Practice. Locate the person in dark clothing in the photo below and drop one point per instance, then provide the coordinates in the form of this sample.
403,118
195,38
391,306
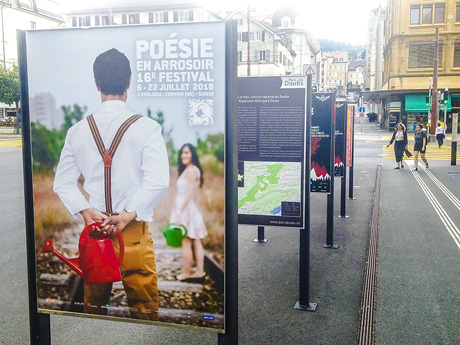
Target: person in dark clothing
420,145
400,139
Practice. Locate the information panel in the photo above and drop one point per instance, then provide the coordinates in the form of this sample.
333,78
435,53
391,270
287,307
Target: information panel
340,135
350,133
159,179
322,144
271,145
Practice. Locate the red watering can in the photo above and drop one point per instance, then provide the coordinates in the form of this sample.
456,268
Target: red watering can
98,262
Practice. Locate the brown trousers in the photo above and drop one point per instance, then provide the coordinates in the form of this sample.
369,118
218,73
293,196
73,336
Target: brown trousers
139,276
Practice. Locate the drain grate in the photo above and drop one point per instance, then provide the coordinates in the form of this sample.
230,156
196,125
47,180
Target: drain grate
366,333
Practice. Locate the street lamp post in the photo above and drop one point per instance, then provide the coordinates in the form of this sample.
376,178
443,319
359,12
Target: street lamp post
434,108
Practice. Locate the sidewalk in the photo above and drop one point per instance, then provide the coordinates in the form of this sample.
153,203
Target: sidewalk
419,254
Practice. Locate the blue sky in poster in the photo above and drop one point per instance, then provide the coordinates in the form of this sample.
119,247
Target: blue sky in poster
60,63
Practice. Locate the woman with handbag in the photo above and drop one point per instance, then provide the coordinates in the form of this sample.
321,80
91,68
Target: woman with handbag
400,144
440,134
185,212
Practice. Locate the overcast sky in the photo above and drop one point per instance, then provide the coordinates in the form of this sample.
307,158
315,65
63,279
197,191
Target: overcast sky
339,20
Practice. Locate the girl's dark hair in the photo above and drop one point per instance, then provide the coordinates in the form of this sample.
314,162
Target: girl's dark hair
420,125
195,161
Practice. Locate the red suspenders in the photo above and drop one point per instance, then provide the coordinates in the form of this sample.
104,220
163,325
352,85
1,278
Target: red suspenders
107,154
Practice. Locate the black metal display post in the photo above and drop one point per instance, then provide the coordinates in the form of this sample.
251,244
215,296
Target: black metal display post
230,336
40,328
343,179
350,182
330,220
330,198
343,194
304,258
260,235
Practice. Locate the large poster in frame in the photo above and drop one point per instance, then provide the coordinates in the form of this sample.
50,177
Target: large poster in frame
340,138
271,149
322,142
350,134
128,150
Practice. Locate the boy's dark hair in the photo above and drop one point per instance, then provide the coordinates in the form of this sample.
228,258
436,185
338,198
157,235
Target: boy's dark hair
112,72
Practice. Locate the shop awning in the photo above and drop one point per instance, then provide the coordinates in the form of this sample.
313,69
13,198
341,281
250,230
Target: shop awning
416,103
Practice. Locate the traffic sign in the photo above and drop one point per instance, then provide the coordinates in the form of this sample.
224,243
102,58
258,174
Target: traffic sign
362,110
361,114
310,71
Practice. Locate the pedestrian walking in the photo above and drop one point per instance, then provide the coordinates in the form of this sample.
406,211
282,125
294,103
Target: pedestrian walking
420,145
440,134
400,144
124,182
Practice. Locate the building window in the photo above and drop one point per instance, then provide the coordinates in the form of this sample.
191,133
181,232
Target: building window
281,58
240,56
457,17
134,18
183,16
415,15
430,14
259,36
439,10
263,55
104,20
427,14
421,55
251,36
240,36
84,21
457,54
240,21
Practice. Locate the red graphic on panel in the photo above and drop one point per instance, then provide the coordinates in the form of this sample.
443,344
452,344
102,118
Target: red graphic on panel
338,162
318,172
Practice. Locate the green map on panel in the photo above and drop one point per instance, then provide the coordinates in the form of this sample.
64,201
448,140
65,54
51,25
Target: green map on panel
266,185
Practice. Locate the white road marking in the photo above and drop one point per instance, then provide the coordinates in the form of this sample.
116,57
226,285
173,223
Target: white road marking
446,220
443,188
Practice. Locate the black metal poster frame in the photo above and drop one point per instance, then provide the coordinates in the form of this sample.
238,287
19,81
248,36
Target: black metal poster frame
322,142
271,136
40,326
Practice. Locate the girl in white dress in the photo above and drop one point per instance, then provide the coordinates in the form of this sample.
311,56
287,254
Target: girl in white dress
185,212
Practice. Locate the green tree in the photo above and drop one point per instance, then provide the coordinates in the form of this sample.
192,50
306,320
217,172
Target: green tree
47,143
9,86
71,116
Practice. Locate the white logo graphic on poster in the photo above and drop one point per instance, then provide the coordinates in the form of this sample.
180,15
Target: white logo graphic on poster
293,83
323,98
201,112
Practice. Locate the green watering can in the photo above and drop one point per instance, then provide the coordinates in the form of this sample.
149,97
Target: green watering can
174,234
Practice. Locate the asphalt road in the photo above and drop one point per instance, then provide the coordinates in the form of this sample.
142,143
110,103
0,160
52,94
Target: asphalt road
418,273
